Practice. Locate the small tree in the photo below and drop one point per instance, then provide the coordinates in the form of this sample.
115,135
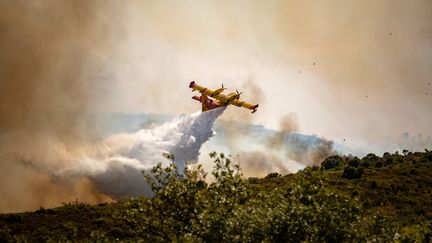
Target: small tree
177,202
354,162
305,209
352,173
332,162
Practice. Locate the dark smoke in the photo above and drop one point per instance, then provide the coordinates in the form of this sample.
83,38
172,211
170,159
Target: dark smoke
54,71
53,65
259,164
310,151
307,150
262,151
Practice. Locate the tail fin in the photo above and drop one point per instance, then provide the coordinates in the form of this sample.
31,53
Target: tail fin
254,108
192,85
204,102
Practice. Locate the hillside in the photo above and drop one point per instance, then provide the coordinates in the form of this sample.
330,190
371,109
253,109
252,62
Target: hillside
346,199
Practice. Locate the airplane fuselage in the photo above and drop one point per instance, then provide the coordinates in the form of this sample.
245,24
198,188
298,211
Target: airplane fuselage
213,99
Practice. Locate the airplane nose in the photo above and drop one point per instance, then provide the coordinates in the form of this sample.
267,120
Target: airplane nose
192,84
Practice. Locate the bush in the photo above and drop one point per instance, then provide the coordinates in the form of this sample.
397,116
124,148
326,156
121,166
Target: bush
332,162
388,161
5,235
272,175
371,157
415,233
354,162
312,205
378,164
229,210
349,173
365,164
414,172
352,173
374,185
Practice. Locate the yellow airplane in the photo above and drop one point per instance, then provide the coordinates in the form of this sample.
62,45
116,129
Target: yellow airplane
213,99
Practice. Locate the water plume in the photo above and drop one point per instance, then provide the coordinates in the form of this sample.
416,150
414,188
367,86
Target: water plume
116,165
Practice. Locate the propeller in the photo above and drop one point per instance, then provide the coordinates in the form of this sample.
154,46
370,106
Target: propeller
223,86
239,93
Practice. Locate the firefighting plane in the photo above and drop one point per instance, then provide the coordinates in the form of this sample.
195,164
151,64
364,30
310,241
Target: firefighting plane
212,99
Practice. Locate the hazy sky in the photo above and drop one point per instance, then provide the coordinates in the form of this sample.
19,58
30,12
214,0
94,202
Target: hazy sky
373,62
370,81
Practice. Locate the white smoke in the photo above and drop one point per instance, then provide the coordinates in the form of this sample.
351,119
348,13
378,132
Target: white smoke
116,165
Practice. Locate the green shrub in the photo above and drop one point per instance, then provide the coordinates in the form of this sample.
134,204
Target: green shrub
378,164
352,173
365,164
272,175
228,210
332,162
391,204
354,162
415,233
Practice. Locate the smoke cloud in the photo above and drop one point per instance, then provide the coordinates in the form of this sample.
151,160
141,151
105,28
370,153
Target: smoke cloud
54,70
372,62
101,171
54,65
262,151
259,164
310,150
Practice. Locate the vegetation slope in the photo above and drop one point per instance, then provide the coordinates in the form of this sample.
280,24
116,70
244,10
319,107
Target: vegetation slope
346,199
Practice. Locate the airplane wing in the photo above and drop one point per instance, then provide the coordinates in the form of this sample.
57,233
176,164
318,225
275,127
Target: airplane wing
212,93
245,104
